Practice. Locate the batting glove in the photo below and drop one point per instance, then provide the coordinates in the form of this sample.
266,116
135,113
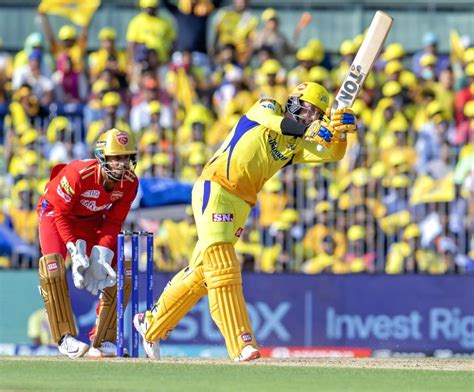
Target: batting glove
319,132
344,121
79,260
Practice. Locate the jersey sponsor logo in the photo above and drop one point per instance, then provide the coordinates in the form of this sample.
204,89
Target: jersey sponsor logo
65,185
276,155
239,231
92,206
94,193
268,103
122,138
246,337
52,266
116,195
220,217
63,195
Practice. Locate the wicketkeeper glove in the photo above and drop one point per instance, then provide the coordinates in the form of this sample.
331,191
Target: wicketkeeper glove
344,121
100,274
319,132
79,260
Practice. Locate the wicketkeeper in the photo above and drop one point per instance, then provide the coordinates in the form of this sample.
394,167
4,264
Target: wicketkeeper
264,140
80,213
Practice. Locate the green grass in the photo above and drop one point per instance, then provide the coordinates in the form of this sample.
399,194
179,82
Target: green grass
123,375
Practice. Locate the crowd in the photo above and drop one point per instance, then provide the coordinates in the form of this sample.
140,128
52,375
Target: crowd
401,200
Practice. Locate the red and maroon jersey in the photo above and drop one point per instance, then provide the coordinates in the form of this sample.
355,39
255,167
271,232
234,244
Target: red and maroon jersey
76,197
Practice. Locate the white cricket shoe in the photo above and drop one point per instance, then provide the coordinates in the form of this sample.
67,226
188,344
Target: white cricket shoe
106,350
73,348
248,353
152,349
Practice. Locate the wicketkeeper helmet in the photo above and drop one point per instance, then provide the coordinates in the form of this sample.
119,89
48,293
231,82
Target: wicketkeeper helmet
114,143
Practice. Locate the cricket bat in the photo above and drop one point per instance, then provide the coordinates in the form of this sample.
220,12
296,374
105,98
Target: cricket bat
363,61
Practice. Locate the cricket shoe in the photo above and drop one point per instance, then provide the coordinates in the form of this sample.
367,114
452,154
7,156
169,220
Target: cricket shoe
152,349
73,348
106,350
248,353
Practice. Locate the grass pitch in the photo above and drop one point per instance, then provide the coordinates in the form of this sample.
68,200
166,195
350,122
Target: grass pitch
59,374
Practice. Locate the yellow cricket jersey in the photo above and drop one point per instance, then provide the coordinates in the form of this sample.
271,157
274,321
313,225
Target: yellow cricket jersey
256,149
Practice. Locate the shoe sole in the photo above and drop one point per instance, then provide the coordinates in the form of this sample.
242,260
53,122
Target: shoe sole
136,324
99,354
79,354
254,355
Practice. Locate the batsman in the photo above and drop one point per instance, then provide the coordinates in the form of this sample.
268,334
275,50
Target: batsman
264,140
81,212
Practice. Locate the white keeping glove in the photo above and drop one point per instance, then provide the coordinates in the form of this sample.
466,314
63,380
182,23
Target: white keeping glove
80,261
100,274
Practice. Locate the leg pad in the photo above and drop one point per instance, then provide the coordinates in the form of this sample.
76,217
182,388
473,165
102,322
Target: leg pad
226,300
55,292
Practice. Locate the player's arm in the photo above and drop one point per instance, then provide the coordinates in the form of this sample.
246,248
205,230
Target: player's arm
311,152
65,197
115,218
268,112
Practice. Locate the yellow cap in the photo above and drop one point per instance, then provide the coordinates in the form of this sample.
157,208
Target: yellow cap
30,158
391,88
280,225
355,233
59,123
272,185
107,33
149,3
411,231
305,54
392,67
99,86
67,32
161,159
111,99
433,108
155,107
322,206
268,14
347,47
149,137
358,39
469,71
318,49
290,215
21,186
469,109
29,136
197,158
378,169
318,74
427,59
398,124
393,51
400,181
360,176
468,56
22,92
270,67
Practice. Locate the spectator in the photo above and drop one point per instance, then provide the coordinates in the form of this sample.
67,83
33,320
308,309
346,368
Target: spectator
430,46
235,24
71,85
191,21
148,31
38,328
108,52
75,46
42,86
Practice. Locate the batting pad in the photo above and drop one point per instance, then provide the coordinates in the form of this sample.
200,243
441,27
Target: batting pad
226,300
179,296
106,324
55,292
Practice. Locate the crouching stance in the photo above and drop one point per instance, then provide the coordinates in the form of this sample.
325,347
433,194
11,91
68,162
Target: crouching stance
263,141
80,214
